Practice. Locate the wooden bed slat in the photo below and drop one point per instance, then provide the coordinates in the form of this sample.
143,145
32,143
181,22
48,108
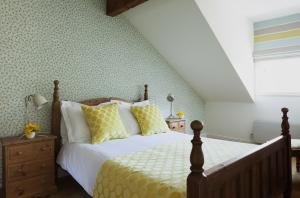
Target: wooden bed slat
255,184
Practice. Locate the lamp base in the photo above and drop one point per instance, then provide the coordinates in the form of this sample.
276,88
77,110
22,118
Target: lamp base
171,117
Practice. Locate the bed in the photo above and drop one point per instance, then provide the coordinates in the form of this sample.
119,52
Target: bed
217,168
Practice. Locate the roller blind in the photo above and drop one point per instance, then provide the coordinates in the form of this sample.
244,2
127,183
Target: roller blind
277,38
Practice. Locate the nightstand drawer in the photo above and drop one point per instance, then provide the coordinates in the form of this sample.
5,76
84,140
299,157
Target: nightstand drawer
176,125
21,153
27,152
29,169
44,150
173,125
29,187
181,125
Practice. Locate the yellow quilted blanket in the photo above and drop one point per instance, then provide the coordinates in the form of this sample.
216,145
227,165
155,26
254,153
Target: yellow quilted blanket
156,172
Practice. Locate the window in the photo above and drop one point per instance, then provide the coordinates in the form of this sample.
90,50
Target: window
277,56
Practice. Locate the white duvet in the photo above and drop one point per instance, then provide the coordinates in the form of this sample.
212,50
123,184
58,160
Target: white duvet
84,161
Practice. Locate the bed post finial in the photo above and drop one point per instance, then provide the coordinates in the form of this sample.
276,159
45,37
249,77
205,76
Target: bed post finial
56,91
146,92
196,182
285,129
285,126
197,159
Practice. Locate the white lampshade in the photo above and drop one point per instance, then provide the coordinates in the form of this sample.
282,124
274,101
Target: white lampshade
38,101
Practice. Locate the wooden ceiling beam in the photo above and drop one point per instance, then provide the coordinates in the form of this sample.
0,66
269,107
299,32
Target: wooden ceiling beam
116,7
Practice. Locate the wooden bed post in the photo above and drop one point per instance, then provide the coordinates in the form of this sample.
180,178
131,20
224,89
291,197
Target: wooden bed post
56,116
146,92
285,126
196,181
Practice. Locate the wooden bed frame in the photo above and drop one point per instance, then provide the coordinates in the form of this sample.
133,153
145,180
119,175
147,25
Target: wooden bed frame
262,173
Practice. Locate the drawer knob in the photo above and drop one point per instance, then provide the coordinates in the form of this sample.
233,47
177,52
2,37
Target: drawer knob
173,127
20,191
19,153
43,149
181,126
21,172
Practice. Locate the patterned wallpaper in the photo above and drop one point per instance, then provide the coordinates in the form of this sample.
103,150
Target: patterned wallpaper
92,55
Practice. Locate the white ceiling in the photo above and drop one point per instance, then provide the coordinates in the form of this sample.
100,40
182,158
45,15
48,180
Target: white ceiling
179,31
258,10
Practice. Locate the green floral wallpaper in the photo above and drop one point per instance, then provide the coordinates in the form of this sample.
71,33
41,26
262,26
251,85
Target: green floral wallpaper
92,55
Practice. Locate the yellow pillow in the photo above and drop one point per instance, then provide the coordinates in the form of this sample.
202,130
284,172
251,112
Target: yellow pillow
104,123
150,119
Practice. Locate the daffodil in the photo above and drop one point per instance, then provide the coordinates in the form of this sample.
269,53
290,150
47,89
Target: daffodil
28,132
30,128
180,114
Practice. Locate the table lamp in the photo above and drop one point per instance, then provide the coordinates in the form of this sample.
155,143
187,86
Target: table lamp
37,100
171,99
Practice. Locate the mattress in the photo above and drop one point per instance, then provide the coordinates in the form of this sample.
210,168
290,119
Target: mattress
84,161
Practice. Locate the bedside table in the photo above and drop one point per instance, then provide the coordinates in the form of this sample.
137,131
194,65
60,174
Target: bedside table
176,125
28,166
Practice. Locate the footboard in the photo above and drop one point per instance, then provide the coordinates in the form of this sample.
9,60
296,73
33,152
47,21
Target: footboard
263,172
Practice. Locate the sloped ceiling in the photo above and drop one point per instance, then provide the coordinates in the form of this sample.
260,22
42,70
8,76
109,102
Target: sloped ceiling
179,31
258,10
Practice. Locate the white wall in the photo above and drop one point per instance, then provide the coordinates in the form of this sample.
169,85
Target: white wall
235,120
234,32
278,76
229,120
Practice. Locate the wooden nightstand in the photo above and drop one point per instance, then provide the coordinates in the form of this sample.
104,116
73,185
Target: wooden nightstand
176,125
28,166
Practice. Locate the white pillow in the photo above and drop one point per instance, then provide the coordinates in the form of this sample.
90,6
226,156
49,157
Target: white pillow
77,128
63,131
128,119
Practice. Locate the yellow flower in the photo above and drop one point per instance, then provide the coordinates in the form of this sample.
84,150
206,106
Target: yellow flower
27,132
29,128
180,113
33,127
36,128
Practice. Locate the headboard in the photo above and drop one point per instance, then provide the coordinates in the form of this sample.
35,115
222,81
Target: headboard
56,110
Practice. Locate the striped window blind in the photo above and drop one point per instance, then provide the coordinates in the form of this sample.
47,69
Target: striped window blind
277,38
